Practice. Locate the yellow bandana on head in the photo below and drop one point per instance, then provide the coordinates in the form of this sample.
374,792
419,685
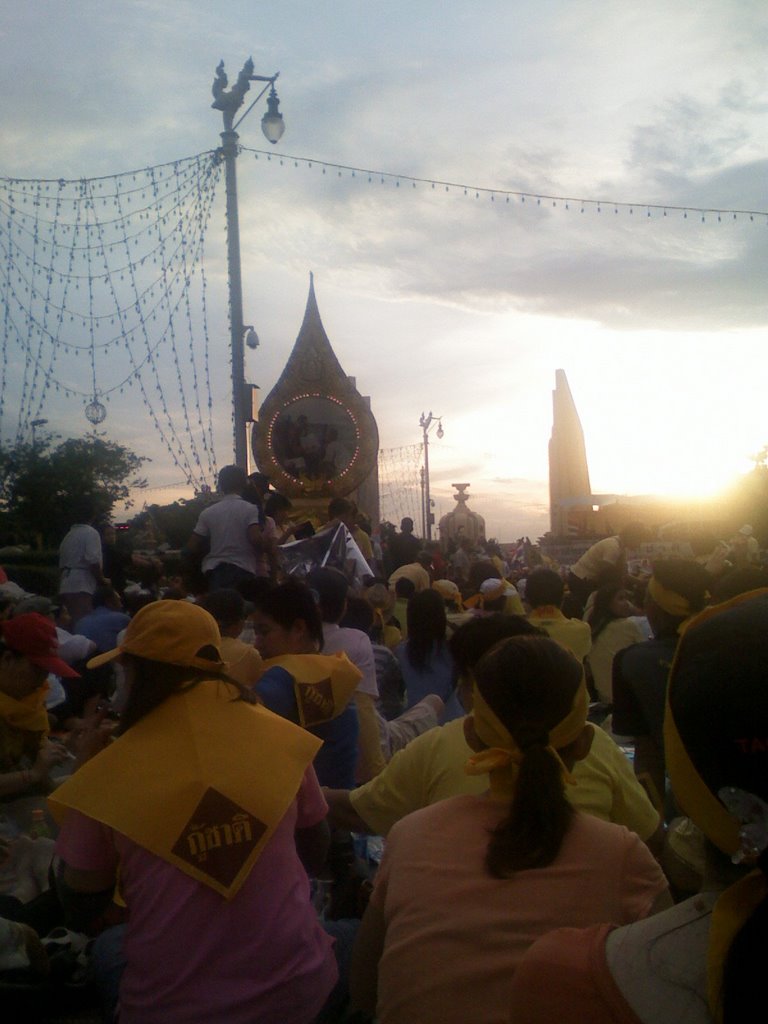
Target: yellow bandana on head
502,759
29,713
668,600
202,782
322,684
448,590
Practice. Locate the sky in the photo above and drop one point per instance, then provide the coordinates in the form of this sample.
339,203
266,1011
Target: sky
434,299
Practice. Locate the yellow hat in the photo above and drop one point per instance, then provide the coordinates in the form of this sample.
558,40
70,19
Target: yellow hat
173,632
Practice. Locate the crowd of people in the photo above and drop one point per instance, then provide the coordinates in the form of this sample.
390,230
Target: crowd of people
443,789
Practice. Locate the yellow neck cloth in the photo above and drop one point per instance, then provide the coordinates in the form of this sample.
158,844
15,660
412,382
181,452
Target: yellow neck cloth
502,759
29,713
322,684
202,782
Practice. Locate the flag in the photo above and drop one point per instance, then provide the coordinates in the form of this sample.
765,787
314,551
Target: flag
334,548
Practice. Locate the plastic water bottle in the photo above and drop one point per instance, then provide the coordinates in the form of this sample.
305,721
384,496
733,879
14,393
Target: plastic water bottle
39,827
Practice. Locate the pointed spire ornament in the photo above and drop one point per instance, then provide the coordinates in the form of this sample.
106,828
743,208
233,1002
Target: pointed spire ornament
316,435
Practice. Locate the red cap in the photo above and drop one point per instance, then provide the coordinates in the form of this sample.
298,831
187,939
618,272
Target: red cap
34,637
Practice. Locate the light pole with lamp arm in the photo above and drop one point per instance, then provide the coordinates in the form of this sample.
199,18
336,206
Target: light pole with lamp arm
425,422
229,101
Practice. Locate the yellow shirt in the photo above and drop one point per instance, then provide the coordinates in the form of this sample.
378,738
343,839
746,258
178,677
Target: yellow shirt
573,634
606,786
428,769
431,768
363,541
415,572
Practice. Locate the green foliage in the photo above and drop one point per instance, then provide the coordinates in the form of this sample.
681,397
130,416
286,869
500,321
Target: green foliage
45,486
173,523
35,579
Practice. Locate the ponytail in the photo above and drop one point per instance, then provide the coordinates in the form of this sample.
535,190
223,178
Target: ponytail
530,684
539,816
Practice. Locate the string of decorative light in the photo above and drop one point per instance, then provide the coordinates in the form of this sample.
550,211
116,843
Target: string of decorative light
399,482
506,195
112,269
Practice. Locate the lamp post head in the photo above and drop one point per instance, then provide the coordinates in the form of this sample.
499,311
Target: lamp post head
272,123
440,431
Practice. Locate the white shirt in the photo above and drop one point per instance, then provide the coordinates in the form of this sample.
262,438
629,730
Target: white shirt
357,647
226,525
80,549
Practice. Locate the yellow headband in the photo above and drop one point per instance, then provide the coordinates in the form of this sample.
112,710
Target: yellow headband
448,593
668,600
503,757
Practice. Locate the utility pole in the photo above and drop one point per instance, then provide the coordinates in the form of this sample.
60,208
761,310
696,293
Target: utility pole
229,101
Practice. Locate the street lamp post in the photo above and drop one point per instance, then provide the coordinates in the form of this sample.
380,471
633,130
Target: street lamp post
229,101
35,424
425,422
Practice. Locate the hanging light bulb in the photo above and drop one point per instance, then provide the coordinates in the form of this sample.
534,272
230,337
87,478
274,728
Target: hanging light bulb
95,412
272,123
440,431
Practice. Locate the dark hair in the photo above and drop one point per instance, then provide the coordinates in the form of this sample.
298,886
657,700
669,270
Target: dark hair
232,480
476,637
288,602
530,683
332,587
359,615
544,586
83,509
225,605
276,503
632,534
338,507
479,573
739,581
426,627
689,579
405,588
155,681
601,615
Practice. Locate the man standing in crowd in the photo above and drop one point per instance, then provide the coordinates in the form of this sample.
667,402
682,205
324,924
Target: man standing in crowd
403,546
605,562
231,530
80,563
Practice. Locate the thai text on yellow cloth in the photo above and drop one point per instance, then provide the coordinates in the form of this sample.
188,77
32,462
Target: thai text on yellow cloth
322,683
202,782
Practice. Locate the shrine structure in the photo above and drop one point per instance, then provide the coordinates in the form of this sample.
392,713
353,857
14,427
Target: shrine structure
316,437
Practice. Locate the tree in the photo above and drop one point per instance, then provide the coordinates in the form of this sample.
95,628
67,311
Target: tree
749,497
172,523
43,485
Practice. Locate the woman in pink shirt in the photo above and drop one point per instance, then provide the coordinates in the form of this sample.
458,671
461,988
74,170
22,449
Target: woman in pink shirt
468,884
